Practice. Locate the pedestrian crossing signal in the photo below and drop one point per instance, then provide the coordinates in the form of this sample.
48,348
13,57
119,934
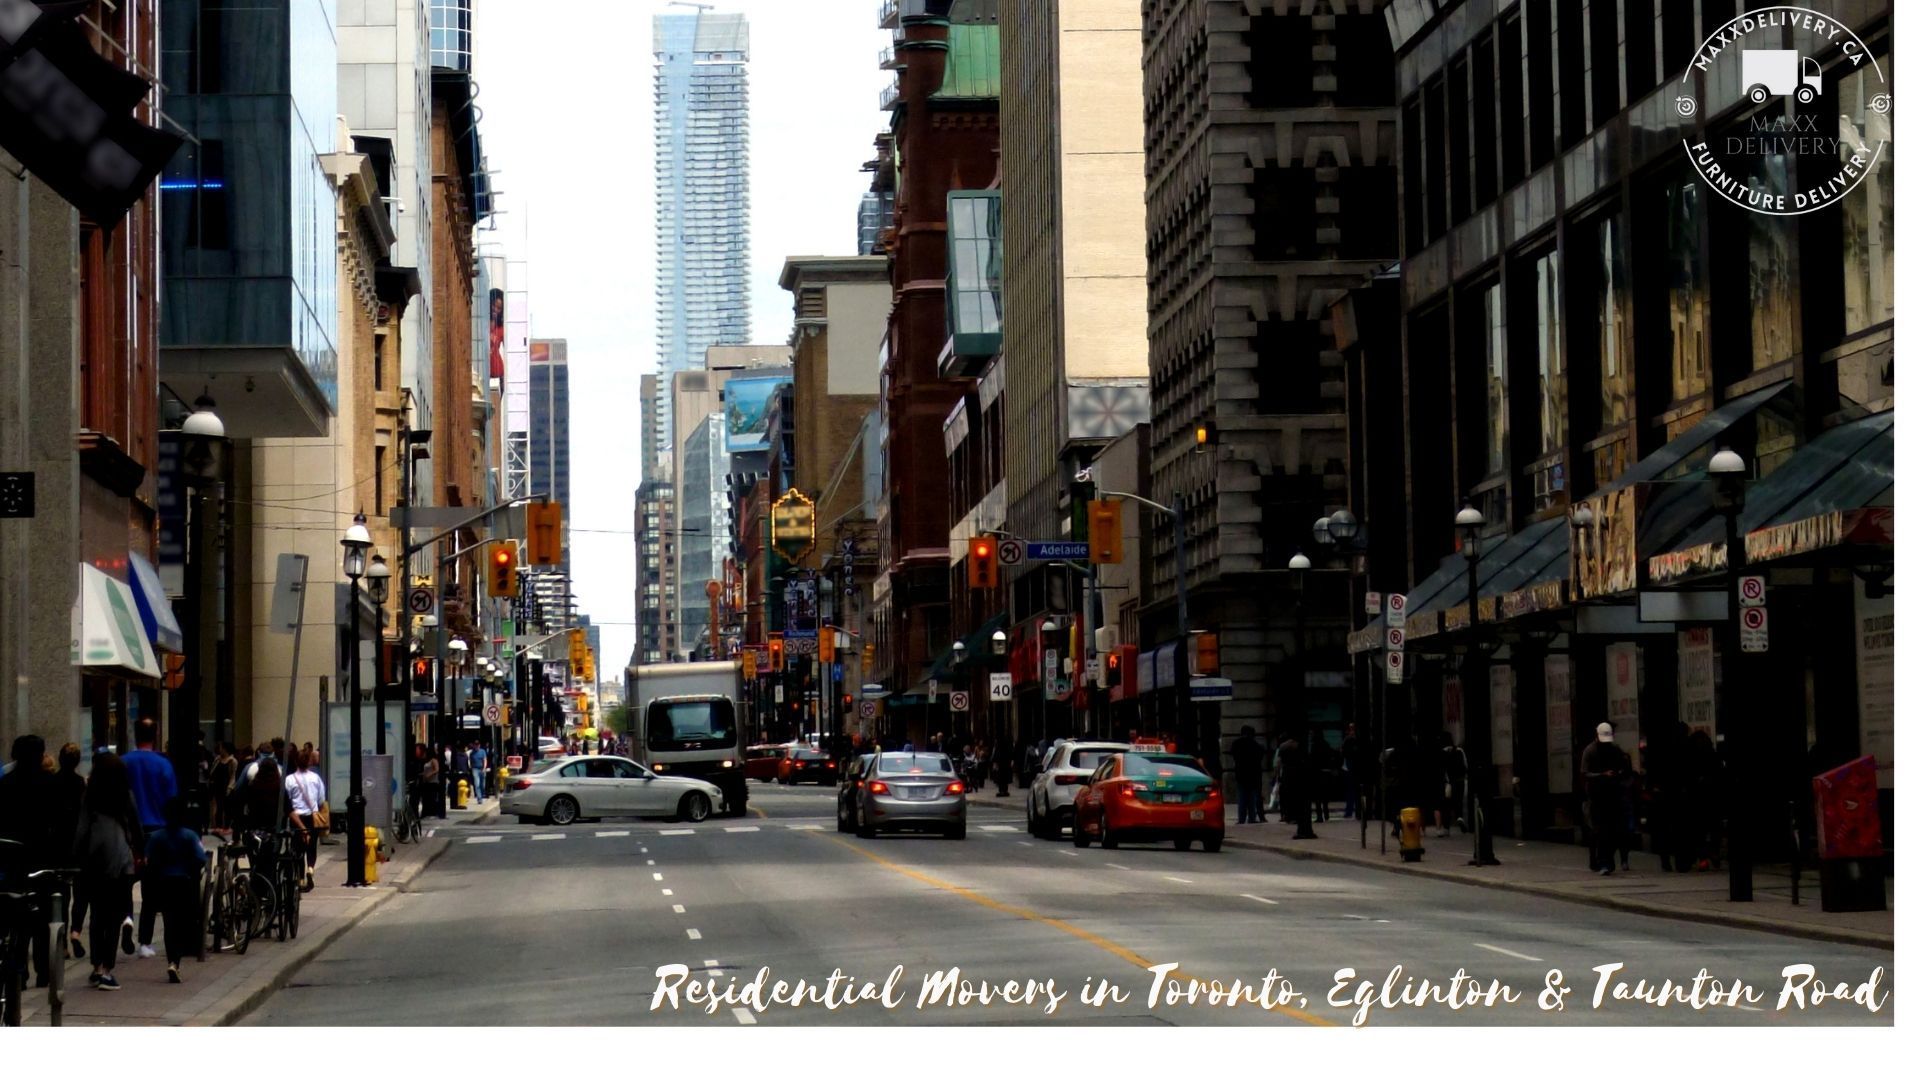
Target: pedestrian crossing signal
423,675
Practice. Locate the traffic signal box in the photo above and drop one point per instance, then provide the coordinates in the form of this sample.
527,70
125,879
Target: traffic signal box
983,565
503,558
1104,541
422,675
777,653
544,533
577,652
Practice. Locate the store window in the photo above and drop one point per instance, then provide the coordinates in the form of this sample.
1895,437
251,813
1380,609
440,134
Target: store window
1866,239
1686,291
1547,349
1769,280
1495,327
1610,300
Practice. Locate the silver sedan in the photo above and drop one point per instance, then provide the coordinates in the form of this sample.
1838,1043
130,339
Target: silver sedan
569,789
910,791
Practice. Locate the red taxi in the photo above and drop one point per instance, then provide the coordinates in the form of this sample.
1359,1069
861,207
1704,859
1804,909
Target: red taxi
1149,795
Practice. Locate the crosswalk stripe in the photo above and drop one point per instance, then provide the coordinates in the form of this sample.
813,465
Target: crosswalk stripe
998,828
743,828
807,828
614,832
692,934
483,839
744,1016
676,832
549,836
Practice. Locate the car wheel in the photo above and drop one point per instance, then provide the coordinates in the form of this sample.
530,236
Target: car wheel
840,818
1211,844
695,807
562,810
1184,843
1080,839
958,832
862,829
1107,839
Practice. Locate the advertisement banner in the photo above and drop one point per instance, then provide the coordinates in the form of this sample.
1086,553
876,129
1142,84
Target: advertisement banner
746,406
1500,703
1623,697
1697,678
1873,668
1559,670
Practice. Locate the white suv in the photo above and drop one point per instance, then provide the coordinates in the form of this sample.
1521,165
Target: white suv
1062,772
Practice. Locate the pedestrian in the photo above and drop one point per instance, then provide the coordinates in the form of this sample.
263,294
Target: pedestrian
306,794
1248,755
478,759
175,858
1452,773
1603,769
69,792
1353,756
152,779
220,780
27,817
430,787
104,843
1400,768
1030,763
1002,766
260,792
1326,772
1296,785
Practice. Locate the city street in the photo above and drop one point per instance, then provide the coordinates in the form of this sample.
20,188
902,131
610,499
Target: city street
535,925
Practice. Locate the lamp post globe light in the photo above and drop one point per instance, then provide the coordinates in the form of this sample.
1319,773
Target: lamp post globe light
379,579
1727,472
353,561
1343,526
1469,521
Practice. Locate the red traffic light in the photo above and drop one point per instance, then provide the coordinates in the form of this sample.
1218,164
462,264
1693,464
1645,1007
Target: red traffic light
981,550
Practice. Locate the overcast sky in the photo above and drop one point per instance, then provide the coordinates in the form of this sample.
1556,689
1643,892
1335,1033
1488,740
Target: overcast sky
566,91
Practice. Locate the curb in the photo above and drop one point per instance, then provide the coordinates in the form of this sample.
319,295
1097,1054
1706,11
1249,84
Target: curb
1837,935
235,1007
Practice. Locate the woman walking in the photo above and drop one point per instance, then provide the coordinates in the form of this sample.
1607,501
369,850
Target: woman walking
175,858
107,835
69,793
307,793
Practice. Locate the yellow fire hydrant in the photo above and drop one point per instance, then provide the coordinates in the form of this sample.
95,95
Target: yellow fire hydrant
373,855
1410,839
500,780
460,791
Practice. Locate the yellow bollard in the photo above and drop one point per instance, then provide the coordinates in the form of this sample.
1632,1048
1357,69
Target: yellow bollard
1410,839
373,855
460,792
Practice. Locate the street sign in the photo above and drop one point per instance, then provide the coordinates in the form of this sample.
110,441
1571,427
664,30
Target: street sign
749,664
779,694
420,600
872,690
289,589
493,714
869,710
803,645
1011,553
1753,591
1396,609
958,701
1753,629
513,761
1056,550
1396,638
839,672
1000,686
1373,603
1396,667
1211,689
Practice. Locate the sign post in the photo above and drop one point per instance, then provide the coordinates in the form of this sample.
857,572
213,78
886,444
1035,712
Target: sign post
1753,628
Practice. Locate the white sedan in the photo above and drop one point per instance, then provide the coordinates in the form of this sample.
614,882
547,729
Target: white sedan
570,789
1062,773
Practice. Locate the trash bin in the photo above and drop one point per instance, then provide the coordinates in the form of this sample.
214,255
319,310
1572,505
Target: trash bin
1847,820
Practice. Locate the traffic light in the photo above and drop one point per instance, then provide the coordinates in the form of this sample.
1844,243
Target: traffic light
777,653
503,558
422,675
983,567
1105,544
577,652
1112,668
544,533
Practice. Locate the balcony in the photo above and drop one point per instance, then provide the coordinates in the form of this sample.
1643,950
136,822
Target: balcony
890,60
890,96
889,14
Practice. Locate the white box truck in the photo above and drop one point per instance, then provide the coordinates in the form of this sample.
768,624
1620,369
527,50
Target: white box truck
688,722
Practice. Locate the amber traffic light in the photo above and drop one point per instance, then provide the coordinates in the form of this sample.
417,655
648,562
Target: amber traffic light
1105,544
503,558
983,568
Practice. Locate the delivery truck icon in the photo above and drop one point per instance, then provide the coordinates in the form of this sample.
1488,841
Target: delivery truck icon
1778,73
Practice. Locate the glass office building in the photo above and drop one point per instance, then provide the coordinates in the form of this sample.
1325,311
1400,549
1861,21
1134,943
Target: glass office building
451,34
700,174
704,512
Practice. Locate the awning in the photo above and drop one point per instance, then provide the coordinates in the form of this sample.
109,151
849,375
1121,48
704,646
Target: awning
156,613
1836,490
107,637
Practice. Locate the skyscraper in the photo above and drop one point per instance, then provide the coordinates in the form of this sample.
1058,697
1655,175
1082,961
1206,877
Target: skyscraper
549,466
700,176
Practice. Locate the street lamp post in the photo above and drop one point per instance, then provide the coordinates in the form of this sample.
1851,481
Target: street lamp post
1469,522
1049,664
1002,746
353,561
1303,808
1340,531
959,657
204,434
378,580
1727,472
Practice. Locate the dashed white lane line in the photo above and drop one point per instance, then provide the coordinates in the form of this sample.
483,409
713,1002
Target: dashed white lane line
745,1016
797,828
649,862
1024,843
1748,1008
676,832
1261,899
659,877
666,892
614,832
483,839
549,836
430,832
679,909
1064,851
1507,952
710,963
743,828
1361,918
998,828
1181,880
692,934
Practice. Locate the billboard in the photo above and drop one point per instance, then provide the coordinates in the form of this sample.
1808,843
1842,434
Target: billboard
496,334
746,405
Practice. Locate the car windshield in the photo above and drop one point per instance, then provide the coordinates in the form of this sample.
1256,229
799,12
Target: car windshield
809,755
1164,767
705,724
910,764
1089,759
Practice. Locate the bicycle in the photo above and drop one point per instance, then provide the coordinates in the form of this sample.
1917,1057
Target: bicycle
229,904
406,819
22,914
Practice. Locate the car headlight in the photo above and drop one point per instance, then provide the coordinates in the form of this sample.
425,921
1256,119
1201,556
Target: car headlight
727,764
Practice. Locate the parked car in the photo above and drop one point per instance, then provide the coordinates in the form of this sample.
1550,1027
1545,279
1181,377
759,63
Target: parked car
1146,796
763,761
579,787
1062,773
804,765
916,791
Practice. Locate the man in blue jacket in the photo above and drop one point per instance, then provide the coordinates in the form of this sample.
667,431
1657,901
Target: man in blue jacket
153,782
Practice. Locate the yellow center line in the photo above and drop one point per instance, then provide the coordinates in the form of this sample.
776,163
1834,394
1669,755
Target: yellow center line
1061,925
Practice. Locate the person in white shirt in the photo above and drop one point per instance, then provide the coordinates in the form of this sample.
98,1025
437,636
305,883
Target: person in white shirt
307,793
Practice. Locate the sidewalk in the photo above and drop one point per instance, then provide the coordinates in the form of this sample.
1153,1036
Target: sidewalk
1559,871
227,987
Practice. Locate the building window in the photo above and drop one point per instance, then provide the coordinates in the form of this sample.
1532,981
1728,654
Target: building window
379,361
1284,220
1573,73
1362,61
1677,36
1513,102
1866,214
1686,291
973,281
1494,325
380,480
1365,232
1643,73
1610,329
1769,277
1547,349
1281,61
1287,366
1540,82
1410,170
1486,159
1603,58
1434,155
1459,134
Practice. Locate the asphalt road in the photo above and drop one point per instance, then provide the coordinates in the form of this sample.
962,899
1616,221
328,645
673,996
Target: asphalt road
533,925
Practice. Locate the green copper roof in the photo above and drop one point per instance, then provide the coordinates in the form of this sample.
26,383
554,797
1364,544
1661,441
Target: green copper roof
973,62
